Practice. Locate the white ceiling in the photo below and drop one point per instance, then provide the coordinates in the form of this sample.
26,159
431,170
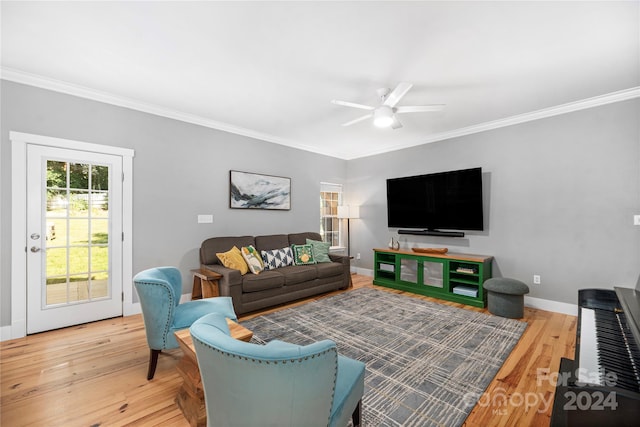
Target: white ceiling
270,69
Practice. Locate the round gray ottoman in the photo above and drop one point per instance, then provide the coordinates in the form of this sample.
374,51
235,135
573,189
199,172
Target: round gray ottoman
505,297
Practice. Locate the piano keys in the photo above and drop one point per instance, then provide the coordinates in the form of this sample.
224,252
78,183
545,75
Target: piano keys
601,386
588,360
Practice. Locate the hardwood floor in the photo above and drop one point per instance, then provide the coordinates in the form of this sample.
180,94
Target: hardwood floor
95,375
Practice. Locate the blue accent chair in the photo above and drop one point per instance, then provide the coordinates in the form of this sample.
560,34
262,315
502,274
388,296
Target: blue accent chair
159,290
278,384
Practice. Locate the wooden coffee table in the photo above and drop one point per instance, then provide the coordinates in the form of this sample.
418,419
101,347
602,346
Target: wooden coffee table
190,397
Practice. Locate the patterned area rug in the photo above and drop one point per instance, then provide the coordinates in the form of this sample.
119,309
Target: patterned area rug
425,361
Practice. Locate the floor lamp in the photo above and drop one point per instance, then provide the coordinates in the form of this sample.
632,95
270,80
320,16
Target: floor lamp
348,212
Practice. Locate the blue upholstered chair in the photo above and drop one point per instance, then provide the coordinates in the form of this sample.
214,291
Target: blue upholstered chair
159,290
278,384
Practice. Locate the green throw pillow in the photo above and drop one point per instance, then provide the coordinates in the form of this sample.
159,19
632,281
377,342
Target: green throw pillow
320,250
303,254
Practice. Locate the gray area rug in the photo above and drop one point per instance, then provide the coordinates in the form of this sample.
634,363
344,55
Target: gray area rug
426,362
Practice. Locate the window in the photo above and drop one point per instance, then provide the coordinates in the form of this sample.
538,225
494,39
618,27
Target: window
330,199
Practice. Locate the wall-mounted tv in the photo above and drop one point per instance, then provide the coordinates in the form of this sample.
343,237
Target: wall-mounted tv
446,200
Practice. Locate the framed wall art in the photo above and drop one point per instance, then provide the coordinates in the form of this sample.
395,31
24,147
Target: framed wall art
257,191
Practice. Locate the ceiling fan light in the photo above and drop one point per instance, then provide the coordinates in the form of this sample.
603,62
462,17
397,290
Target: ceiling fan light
383,117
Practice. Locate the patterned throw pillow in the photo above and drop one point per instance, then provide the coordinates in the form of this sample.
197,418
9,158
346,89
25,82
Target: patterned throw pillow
252,258
277,258
233,259
320,250
303,254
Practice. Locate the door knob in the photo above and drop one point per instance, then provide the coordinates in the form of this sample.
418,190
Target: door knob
34,249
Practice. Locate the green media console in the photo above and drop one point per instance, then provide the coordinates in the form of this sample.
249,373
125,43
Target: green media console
450,276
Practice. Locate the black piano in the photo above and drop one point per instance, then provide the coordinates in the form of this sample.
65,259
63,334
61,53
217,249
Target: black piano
601,386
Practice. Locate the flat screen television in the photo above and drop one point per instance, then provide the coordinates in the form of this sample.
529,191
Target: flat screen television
446,200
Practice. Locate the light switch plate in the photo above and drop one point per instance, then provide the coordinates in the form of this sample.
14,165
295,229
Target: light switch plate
636,220
205,219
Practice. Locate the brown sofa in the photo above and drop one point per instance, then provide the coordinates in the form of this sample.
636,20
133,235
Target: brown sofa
252,292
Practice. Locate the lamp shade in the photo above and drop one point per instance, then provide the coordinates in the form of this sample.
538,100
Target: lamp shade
347,211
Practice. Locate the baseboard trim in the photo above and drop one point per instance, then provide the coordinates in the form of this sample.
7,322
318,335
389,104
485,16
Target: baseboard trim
362,271
549,305
133,308
5,333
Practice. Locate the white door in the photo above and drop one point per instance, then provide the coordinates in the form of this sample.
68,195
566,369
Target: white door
74,237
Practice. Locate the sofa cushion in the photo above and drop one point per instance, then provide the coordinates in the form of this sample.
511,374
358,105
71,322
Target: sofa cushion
320,250
277,258
268,279
213,245
301,238
252,258
233,259
271,242
303,254
298,273
329,269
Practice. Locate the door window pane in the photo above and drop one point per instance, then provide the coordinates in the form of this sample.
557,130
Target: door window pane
100,287
77,224
79,203
99,258
56,202
79,231
56,264
99,231
79,176
57,291
56,174
78,260
78,288
100,178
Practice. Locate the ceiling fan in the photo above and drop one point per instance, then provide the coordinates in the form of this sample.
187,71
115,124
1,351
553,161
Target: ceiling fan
385,114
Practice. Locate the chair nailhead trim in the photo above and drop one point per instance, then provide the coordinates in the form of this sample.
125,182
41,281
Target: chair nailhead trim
171,308
275,362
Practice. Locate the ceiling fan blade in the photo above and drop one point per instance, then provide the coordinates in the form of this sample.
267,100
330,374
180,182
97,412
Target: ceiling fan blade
420,108
359,119
396,123
394,97
352,104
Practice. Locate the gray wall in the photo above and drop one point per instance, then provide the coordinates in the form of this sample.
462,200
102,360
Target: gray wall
180,170
560,195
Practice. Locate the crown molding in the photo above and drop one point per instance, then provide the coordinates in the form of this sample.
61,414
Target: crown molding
108,98
42,82
596,101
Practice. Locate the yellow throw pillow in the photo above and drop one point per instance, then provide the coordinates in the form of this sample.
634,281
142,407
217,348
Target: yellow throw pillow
233,259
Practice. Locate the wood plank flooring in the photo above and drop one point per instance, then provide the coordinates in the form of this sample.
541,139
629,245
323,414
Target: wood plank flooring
95,375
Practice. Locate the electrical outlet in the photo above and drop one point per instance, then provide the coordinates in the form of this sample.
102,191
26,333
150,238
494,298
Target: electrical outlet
358,255
536,279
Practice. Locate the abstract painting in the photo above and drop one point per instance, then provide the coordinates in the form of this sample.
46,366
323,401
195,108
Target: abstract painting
257,191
